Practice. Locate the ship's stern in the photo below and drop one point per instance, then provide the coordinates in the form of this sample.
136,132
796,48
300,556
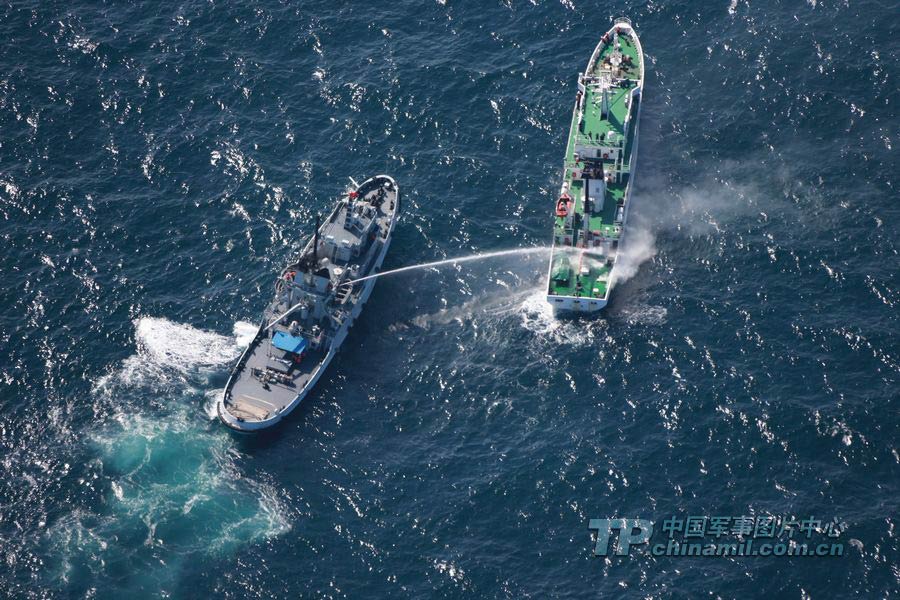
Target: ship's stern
571,305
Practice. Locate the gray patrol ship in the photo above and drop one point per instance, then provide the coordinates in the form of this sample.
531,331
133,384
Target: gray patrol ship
317,298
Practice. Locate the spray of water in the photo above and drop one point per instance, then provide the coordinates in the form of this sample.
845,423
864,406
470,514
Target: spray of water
639,247
450,261
429,265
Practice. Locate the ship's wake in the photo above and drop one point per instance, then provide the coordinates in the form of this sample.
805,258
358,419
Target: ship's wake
169,478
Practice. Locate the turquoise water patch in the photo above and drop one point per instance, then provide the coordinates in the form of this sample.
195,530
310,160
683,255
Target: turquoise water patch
171,485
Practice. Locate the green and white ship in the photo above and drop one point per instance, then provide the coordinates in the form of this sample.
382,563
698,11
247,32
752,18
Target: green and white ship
593,204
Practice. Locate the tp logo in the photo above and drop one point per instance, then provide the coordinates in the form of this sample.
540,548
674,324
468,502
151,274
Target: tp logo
631,532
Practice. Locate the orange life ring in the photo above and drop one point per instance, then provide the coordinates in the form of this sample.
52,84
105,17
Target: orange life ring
562,208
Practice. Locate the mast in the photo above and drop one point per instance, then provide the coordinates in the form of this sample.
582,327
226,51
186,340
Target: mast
316,243
604,107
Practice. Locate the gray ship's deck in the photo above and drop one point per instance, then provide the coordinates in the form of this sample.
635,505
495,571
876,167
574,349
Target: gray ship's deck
248,403
266,381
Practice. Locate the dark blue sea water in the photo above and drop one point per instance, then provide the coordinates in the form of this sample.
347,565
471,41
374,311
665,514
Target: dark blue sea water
159,162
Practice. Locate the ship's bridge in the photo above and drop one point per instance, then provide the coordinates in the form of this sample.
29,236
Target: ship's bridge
605,146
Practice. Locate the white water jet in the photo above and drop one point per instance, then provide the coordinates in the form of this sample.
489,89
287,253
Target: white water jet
436,263
450,261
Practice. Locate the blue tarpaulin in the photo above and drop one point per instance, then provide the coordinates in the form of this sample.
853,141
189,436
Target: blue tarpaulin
288,343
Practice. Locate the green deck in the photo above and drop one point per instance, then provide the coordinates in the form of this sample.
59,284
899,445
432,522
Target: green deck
595,284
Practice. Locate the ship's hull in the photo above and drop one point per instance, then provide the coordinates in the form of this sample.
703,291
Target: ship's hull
575,306
564,305
252,426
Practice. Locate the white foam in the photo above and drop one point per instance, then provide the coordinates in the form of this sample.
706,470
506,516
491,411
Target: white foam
181,346
537,314
169,352
210,401
538,318
244,333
